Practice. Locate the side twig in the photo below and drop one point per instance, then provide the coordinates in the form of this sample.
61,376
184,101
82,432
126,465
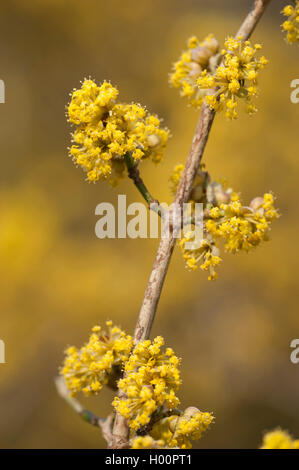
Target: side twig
86,415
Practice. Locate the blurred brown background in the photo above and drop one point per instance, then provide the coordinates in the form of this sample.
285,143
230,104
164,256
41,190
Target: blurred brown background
58,279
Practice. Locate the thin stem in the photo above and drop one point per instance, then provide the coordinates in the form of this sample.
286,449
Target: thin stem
252,19
88,416
134,174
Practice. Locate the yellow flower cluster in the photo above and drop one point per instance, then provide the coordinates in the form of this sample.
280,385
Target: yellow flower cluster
147,442
108,130
97,363
242,228
175,431
149,378
202,253
192,62
150,381
175,177
291,25
224,217
235,78
279,439
189,427
178,431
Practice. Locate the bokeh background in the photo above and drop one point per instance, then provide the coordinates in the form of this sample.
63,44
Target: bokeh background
58,279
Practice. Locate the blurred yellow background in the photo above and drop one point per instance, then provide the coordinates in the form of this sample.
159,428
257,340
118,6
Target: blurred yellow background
58,279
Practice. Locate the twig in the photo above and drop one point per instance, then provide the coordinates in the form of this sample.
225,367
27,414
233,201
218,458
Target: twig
166,246
107,427
86,415
252,19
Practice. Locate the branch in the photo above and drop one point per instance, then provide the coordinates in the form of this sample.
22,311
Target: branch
165,249
166,246
104,424
252,19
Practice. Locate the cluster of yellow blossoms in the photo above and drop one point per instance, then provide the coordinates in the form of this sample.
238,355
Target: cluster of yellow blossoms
242,228
175,177
199,75
150,381
279,439
97,363
175,431
147,442
108,130
291,25
200,253
149,377
225,218
235,78
198,57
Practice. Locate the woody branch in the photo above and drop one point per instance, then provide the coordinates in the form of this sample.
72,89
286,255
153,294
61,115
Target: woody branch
155,284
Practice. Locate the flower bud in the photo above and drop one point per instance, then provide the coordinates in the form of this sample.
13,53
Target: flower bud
246,210
194,66
202,177
256,203
173,422
195,70
153,140
200,184
201,55
191,411
221,196
215,190
197,193
212,44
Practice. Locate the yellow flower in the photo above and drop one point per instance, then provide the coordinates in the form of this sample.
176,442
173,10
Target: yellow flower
224,217
147,442
215,212
235,78
189,66
279,439
150,381
97,363
243,228
291,25
179,431
200,253
107,130
175,178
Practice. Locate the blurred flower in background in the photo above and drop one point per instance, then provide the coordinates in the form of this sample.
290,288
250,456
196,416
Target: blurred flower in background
58,279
